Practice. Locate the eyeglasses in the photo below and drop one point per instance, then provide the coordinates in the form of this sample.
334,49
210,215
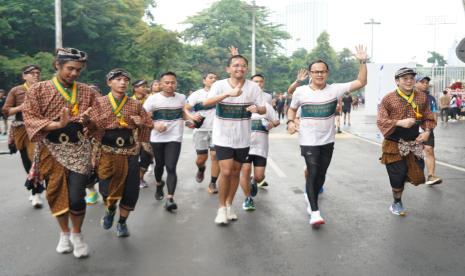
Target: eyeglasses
319,72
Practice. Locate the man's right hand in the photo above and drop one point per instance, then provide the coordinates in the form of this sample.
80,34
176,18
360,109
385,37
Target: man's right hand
406,123
64,117
292,128
236,91
160,126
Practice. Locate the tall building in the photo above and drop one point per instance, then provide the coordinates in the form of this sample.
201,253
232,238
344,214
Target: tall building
304,21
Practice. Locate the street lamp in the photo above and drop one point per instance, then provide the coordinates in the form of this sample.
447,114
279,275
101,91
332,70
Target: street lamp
253,36
58,31
372,23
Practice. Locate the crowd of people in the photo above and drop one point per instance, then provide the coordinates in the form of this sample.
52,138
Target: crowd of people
71,137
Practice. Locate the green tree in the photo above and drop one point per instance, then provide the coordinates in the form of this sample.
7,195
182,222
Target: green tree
436,59
348,66
325,52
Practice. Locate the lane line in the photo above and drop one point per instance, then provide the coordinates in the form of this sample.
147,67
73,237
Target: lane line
276,168
437,162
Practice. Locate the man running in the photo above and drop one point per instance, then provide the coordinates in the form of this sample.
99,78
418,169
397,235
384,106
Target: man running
18,139
118,118
236,98
167,109
346,107
318,102
56,117
401,113
139,91
203,131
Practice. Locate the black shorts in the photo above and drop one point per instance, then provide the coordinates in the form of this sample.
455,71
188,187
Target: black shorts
240,155
257,160
430,141
346,110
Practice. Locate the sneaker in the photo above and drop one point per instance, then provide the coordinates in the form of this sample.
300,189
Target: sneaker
248,204
170,205
37,201
433,180
91,197
397,209
64,245
31,197
316,219
107,220
159,192
200,176
221,217
253,188
230,214
122,230
262,184
150,169
212,189
143,184
81,249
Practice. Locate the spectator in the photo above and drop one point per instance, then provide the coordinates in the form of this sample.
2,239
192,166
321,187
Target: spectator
444,102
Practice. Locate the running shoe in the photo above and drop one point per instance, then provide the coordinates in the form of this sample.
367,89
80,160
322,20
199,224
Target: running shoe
316,219
122,230
107,220
248,204
230,214
170,205
212,189
143,184
37,201
91,197
397,209
64,245
221,217
253,188
81,249
159,192
200,176
433,180
262,184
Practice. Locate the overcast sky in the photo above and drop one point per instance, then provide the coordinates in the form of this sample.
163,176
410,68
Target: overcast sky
405,33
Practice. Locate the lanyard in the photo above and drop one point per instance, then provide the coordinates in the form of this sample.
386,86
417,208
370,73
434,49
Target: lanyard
117,107
141,101
26,86
410,101
71,98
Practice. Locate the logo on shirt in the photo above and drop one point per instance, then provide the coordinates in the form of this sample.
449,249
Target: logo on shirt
167,114
233,111
319,110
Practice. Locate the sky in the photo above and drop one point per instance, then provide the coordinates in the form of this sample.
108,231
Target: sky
406,33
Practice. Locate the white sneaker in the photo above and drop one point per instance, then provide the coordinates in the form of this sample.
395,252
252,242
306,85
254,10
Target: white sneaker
30,197
37,201
64,245
230,214
316,219
221,217
81,249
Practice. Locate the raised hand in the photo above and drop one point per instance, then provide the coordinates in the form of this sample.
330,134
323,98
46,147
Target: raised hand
302,75
233,51
361,52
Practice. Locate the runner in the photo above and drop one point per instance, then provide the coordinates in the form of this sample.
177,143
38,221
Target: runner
422,85
18,139
401,113
236,98
139,91
3,117
167,112
56,116
120,121
346,107
318,103
203,132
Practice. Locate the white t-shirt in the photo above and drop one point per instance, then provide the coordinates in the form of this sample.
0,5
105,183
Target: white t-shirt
317,112
195,100
259,136
170,111
267,97
231,126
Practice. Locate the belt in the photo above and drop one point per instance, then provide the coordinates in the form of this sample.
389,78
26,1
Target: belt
71,133
119,138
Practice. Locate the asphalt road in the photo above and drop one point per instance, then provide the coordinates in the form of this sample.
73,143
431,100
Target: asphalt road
361,237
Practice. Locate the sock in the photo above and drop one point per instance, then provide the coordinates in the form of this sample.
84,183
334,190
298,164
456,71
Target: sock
122,220
396,200
111,208
214,179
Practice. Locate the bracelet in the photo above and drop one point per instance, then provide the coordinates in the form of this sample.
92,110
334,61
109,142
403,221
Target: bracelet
288,121
298,81
363,61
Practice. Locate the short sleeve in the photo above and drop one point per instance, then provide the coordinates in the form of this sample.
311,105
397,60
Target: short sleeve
214,90
295,102
148,104
341,88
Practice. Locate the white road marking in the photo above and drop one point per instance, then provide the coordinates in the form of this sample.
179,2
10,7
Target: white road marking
276,168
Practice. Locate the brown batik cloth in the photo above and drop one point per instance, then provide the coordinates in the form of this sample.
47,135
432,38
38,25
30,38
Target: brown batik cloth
391,154
20,138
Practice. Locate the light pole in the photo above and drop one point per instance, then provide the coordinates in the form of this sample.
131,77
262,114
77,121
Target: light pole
58,31
253,36
372,23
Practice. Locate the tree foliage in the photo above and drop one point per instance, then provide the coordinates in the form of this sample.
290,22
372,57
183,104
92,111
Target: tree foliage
436,59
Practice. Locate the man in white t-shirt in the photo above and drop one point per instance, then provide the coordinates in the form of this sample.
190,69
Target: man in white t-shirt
167,109
236,98
203,131
317,131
